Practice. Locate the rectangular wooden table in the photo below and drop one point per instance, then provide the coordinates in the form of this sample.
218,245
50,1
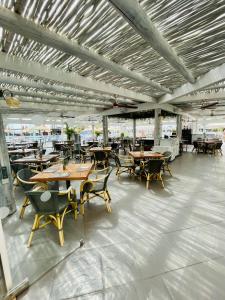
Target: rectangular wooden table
56,173
96,149
145,154
21,151
36,160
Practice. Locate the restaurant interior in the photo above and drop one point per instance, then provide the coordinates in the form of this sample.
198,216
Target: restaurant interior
112,128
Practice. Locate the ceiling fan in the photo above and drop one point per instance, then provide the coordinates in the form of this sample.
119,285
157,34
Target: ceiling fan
67,117
121,105
209,105
10,100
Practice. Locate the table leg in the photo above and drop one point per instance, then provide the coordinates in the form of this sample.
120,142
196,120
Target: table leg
67,184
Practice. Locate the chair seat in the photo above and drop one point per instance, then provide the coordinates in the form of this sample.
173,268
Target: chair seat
138,170
127,165
98,187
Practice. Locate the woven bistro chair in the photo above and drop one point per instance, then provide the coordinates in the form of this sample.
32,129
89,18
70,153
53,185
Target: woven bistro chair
96,187
124,164
151,169
195,146
51,207
23,177
167,158
100,158
218,148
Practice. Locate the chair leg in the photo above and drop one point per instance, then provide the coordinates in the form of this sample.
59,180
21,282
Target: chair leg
148,181
82,206
160,178
60,230
26,202
168,169
34,227
108,206
108,195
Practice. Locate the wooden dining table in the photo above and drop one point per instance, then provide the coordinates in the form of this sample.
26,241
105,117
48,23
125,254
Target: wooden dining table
73,171
22,151
138,155
104,149
36,160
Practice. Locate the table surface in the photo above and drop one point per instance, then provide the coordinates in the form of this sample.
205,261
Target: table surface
21,151
208,142
95,149
36,160
145,154
56,173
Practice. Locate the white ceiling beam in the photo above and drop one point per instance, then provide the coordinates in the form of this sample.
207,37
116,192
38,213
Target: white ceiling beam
142,107
142,24
54,101
215,87
200,97
27,28
211,77
72,101
36,107
16,64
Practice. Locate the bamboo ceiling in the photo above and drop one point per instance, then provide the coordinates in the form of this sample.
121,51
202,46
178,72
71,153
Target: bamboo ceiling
195,30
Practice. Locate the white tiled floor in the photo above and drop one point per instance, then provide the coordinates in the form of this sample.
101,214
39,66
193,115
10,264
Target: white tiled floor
156,244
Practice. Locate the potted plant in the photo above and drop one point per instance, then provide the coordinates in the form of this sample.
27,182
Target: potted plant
97,133
69,131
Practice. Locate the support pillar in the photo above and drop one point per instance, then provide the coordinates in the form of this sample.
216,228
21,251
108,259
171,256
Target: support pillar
93,131
105,130
157,130
134,132
179,127
6,184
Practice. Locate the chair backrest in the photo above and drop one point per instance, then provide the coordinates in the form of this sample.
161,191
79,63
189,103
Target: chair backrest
17,167
50,206
88,185
153,166
114,146
25,175
219,145
15,156
167,156
117,161
100,155
195,143
58,147
108,172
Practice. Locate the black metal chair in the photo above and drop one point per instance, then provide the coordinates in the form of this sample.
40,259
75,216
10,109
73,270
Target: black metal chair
167,158
151,169
100,158
124,165
23,177
51,206
96,187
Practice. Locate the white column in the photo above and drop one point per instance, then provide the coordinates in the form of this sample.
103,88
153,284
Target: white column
134,131
179,127
6,184
105,129
157,129
93,131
